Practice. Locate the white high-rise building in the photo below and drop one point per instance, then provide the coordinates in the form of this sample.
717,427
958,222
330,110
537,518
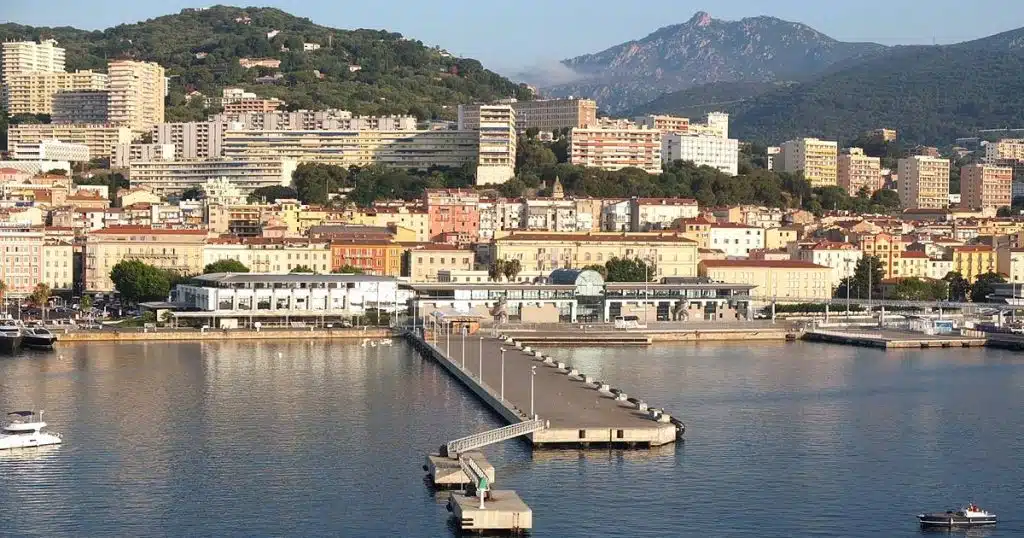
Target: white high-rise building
496,160
137,91
720,153
31,57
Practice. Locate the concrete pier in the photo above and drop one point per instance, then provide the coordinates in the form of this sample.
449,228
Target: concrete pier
446,473
889,339
503,511
577,413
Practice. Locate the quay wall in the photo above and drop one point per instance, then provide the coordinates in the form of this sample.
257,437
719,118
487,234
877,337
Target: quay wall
217,334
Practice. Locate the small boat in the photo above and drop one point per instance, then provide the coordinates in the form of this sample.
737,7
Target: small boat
11,336
38,337
25,431
968,516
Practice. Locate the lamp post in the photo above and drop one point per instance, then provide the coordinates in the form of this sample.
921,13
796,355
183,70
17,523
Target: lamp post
849,281
448,339
533,373
503,374
480,357
647,294
463,348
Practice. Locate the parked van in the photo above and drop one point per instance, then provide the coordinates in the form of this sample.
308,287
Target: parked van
628,322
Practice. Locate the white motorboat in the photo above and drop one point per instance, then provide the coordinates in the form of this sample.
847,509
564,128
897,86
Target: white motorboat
25,431
10,336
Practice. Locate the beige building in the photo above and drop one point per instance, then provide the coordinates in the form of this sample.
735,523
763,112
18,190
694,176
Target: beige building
100,139
193,140
82,106
125,154
858,171
616,148
817,159
270,255
1005,149
780,238
542,114
985,186
137,91
30,57
664,123
496,157
254,105
50,150
671,253
924,182
20,257
175,250
1010,262
783,279
423,262
33,93
171,177
58,263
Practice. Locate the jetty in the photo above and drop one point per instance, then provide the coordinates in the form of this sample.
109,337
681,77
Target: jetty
891,339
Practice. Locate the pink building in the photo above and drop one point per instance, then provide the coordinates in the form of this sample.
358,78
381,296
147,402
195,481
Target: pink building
453,211
21,255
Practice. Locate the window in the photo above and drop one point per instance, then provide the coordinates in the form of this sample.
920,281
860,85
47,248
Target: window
583,434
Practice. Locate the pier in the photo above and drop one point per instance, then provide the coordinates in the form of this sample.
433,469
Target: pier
890,339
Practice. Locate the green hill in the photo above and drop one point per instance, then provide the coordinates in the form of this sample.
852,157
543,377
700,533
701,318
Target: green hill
200,50
931,94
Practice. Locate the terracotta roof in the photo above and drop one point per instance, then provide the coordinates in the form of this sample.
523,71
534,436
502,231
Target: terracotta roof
832,245
914,254
426,247
587,237
666,201
122,230
700,219
733,225
780,264
973,248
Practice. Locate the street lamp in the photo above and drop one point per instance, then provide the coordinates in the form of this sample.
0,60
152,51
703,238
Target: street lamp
849,281
533,373
448,339
480,357
463,331
503,374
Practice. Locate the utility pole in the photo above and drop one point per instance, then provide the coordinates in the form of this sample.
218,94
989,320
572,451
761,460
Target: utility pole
480,358
503,374
533,374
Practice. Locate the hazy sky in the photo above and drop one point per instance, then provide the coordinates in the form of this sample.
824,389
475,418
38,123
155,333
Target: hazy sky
512,34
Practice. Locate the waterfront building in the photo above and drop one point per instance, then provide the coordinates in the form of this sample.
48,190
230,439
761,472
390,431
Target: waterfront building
985,186
21,257
58,260
672,254
542,114
126,154
817,159
841,258
496,154
193,140
175,177
915,264
375,256
719,153
774,279
616,148
1010,262
33,93
270,255
50,150
424,262
453,211
858,171
938,268
972,261
137,91
82,106
924,182
736,240
100,139
179,250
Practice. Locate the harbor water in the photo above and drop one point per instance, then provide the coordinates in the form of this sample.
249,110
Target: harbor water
327,438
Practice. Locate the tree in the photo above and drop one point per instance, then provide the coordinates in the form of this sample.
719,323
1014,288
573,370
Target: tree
1004,211
985,286
349,269
273,193
86,302
629,270
959,287
532,132
496,270
302,269
193,193
40,295
917,289
3,290
314,182
511,269
225,266
138,282
867,274
886,198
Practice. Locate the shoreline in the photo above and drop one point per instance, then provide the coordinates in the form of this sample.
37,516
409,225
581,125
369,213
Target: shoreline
155,335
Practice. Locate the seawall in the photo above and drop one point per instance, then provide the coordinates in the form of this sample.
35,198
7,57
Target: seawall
191,335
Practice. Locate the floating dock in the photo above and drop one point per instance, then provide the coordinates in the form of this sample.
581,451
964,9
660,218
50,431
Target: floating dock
447,473
888,339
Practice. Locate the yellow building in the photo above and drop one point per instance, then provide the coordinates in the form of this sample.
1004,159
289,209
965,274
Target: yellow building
1005,149
415,220
543,114
671,253
271,255
817,159
33,93
914,264
783,279
984,186
924,182
30,57
697,229
422,262
101,139
779,238
858,171
136,95
176,250
972,261
888,249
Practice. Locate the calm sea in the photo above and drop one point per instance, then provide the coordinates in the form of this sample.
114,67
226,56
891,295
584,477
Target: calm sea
328,439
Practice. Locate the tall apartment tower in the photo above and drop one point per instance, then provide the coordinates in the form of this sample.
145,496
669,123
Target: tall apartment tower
496,160
858,171
817,159
31,57
985,186
924,182
137,92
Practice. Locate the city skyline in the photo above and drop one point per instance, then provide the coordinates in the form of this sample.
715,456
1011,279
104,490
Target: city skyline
551,39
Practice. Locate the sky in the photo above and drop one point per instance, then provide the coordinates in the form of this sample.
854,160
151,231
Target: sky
512,35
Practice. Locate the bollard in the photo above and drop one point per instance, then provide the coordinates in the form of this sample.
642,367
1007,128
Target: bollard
620,397
603,387
538,354
664,417
573,372
587,379
527,350
519,345
549,360
560,365
641,406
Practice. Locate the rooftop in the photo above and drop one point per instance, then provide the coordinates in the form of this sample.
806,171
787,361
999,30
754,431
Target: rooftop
774,264
244,278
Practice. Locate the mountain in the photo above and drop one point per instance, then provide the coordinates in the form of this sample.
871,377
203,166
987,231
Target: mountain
700,51
930,94
697,101
200,49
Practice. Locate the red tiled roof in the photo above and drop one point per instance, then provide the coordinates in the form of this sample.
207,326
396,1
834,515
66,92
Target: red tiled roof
587,237
973,248
732,225
914,254
780,264
121,230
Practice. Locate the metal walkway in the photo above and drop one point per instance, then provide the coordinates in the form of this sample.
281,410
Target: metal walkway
478,440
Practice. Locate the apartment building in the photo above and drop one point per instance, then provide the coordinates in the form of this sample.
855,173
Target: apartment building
423,262
887,248
735,240
985,186
270,255
453,211
50,150
125,154
842,258
21,265
372,256
175,177
33,93
137,91
30,57
315,120
858,171
646,214
722,154
924,182
253,106
171,249
1010,262
672,254
82,106
58,263
400,149
542,114
1005,149
100,139
791,279
616,148
496,156
269,63
817,159
193,140
415,219
716,125
664,123
972,261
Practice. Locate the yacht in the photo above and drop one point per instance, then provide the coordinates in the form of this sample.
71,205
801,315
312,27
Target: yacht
10,336
25,430
968,516
38,337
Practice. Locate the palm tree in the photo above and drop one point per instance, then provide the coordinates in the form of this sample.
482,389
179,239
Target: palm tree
40,297
3,297
496,270
512,268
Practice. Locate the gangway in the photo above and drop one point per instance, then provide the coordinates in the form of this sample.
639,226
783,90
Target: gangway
482,439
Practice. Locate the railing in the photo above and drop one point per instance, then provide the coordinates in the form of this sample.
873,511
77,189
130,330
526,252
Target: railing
497,435
472,469
845,334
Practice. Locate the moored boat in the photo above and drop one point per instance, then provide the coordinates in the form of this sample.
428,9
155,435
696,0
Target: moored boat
11,337
969,516
38,337
25,431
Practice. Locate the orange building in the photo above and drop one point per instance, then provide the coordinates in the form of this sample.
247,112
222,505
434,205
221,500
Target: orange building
888,249
375,257
453,211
